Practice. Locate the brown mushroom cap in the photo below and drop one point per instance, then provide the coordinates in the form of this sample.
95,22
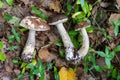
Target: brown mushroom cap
81,25
56,19
34,23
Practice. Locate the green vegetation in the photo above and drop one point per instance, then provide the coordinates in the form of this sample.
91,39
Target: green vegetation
107,55
2,55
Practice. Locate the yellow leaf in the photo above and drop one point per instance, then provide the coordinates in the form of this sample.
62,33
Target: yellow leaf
66,74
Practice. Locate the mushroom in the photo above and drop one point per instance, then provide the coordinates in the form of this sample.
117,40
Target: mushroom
33,24
58,21
82,52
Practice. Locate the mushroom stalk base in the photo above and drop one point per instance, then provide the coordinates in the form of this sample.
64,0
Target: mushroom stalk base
27,54
67,41
82,52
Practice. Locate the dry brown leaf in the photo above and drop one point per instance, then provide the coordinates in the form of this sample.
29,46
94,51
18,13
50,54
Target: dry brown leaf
66,74
17,71
55,5
118,2
45,55
9,69
114,17
110,31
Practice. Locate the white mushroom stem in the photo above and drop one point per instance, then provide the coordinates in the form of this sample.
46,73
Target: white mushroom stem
28,51
82,52
69,51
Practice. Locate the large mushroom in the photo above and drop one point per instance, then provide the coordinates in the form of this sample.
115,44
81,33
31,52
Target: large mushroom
58,21
82,52
33,24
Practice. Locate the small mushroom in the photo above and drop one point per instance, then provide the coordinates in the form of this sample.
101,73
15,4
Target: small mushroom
58,21
82,52
33,24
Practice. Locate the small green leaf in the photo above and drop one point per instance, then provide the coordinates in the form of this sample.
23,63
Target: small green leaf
23,65
13,31
20,76
12,48
15,61
56,76
117,49
39,13
49,66
11,38
1,4
23,70
10,2
78,2
90,29
114,73
92,58
31,66
1,44
78,15
85,8
102,54
116,30
7,17
82,2
111,55
118,76
36,71
15,20
108,63
118,22
69,7
2,56
106,50
62,53
98,68
58,43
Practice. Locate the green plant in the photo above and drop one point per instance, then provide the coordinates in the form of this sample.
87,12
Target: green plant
10,2
86,63
2,55
56,76
116,26
1,4
94,65
85,13
39,69
14,36
12,48
104,32
91,59
12,19
107,55
118,76
75,38
117,49
38,13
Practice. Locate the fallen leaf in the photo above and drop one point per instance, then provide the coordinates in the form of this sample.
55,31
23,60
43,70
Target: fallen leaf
9,69
45,55
67,74
110,31
17,71
55,5
118,2
114,17
105,4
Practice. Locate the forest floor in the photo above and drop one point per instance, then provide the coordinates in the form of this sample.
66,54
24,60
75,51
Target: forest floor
102,61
